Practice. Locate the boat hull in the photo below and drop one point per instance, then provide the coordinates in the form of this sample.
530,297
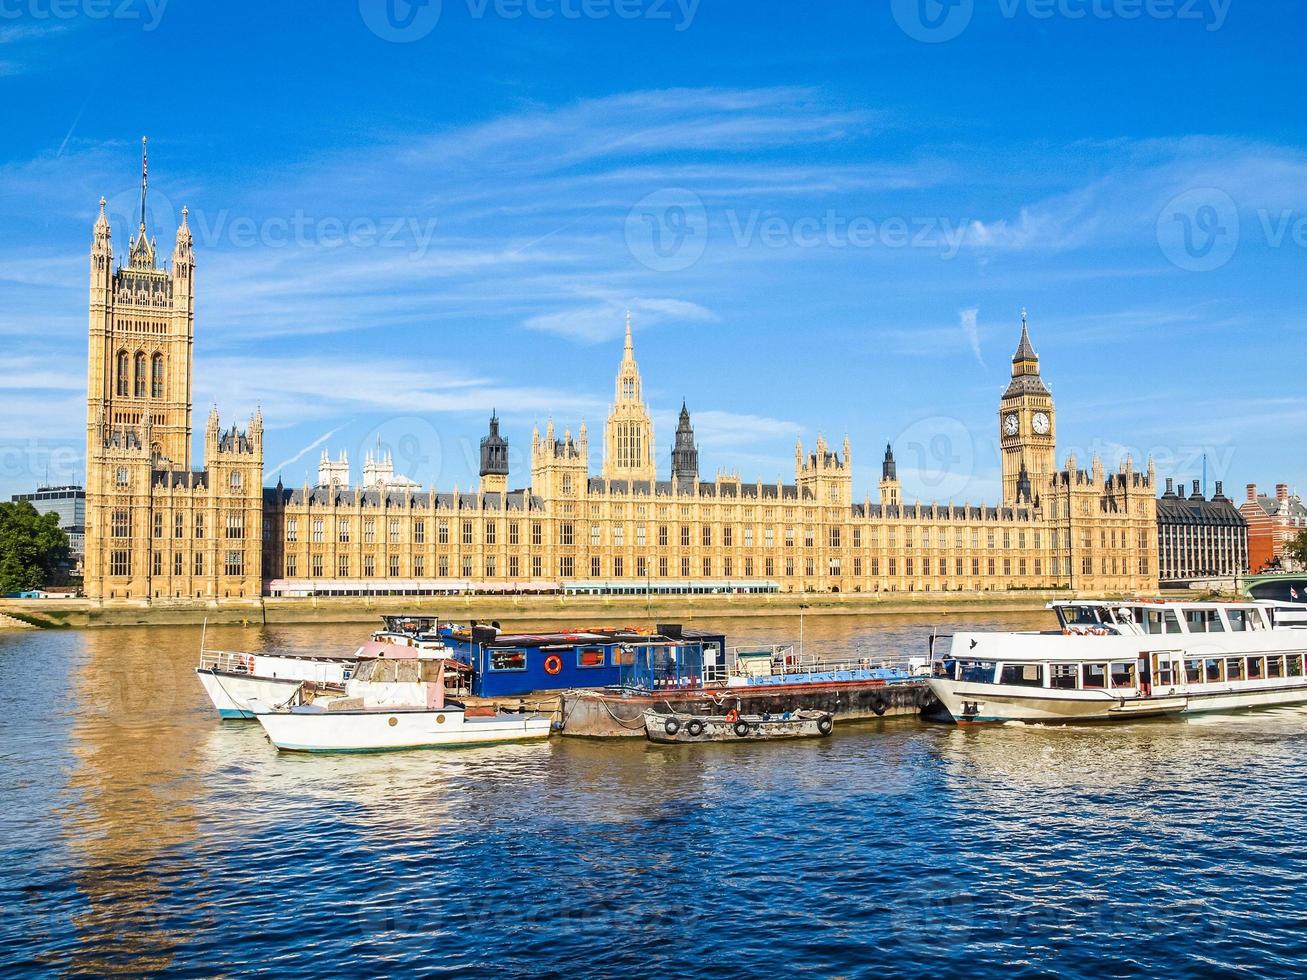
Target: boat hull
679,729
231,693
382,730
970,704
611,714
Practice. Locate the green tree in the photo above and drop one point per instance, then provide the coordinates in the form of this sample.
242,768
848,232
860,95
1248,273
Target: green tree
33,548
1297,548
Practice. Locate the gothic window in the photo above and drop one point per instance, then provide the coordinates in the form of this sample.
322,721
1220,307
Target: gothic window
467,532
139,390
120,562
122,373
235,526
490,532
199,563
235,481
369,566
343,530
199,529
156,376
420,566
177,563
419,532
235,563
394,565
121,524
342,566
394,530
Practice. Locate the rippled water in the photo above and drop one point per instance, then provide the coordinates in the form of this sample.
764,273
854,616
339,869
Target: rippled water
139,834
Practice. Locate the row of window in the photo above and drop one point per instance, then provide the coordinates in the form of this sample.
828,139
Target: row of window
120,525
131,377
120,563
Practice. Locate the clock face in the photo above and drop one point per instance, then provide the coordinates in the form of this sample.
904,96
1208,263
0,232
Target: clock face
1040,422
1011,424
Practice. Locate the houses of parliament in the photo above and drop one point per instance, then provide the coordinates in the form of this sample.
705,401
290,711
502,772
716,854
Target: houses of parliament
160,527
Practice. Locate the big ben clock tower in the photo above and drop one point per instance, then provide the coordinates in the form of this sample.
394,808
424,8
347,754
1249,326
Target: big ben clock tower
1026,419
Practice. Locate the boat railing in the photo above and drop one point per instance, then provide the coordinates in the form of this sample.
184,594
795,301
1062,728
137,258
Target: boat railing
786,661
228,661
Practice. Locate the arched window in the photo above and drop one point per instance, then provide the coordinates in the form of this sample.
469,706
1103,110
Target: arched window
156,376
140,375
122,372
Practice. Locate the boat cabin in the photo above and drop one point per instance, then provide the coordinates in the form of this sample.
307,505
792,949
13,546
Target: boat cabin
1184,644
514,664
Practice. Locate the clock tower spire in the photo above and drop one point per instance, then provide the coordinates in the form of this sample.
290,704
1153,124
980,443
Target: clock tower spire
1026,419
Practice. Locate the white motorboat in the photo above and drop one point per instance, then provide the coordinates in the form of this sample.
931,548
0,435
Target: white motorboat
232,680
394,700
1124,659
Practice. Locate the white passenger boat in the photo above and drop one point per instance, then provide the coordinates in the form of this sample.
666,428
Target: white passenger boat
1113,660
232,680
394,700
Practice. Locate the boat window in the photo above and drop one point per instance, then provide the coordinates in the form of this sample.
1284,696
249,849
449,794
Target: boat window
623,657
976,671
1024,675
1197,620
1274,666
1212,671
508,660
1214,622
1153,621
590,657
1172,622
1165,674
1193,671
1123,675
1083,616
1094,675
1064,676
1234,669
1238,620
1255,669
1293,665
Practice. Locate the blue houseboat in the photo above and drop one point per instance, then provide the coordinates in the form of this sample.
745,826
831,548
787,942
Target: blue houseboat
512,664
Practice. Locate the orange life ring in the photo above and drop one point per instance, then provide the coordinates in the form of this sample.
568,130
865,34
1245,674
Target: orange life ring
553,665
732,717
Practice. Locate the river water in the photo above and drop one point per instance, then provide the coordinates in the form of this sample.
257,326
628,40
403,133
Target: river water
139,834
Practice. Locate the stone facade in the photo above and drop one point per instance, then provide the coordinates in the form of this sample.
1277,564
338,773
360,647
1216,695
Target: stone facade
155,527
1199,539
1068,528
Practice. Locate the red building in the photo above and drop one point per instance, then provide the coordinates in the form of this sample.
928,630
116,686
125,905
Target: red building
1273,522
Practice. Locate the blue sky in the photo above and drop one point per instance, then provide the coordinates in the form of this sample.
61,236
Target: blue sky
824,218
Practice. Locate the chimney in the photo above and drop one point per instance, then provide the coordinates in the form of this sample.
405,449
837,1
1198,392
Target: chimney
1220,489
1282,492
1198,490
1170,486
1252,492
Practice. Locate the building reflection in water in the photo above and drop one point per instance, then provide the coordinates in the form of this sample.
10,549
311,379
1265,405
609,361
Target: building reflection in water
129,811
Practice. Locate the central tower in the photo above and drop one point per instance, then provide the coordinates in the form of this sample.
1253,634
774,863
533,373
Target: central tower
629,436
1027,426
